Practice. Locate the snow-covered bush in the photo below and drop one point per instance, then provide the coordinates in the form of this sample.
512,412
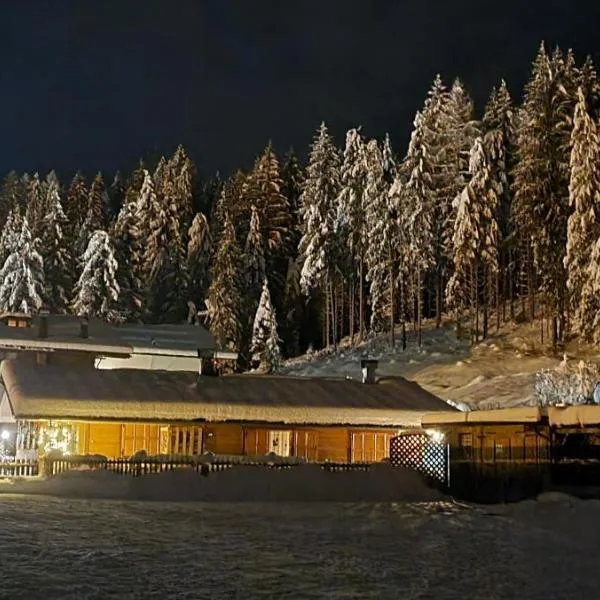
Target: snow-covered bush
565,385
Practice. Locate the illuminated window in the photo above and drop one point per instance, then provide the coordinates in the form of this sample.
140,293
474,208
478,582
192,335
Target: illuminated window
279,442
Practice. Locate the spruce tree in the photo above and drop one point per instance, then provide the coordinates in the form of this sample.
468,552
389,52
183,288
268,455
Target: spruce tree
55,250
475,240
318,210
22,276
225,291
499,137
350,223
9,194
199,255
380,242
127,249
97,290
418,194
35,209
76,206
584,196
11,232
265,340
293,312
541,194
95,218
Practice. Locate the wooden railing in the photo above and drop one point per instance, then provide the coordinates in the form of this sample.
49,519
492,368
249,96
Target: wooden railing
136,467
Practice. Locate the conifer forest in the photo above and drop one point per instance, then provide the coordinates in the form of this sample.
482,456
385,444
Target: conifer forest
488,215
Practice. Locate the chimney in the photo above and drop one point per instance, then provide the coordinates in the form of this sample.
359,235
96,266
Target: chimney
43,325
369,370
84,329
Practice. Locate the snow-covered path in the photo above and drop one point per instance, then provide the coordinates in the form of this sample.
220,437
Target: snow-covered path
61,548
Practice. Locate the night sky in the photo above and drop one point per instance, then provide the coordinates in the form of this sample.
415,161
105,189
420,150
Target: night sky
95,84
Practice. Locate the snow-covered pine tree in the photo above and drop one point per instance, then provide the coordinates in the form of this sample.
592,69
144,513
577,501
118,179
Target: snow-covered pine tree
11,232
589,303
263,190
55,250
115,195
453,131
541,181
95,218
415,185
184,175
254,257
76,206
350,225
318,211
475,240
584,196
265,340
380,235
97,290
199,255
9,194
161,261
232,204
22,276
126,243
292,316
35,210
499,138
225,291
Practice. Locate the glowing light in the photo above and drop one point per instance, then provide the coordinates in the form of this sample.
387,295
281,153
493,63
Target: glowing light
5,434
436,436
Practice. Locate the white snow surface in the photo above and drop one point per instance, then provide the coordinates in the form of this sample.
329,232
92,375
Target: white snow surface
496,373
73,548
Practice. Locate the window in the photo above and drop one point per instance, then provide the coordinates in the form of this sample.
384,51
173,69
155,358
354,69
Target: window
279,442
465,442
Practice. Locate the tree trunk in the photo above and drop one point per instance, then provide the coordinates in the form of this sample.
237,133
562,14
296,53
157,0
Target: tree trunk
486,301
326,324
351,309
403,304
361,311
419,308
438,298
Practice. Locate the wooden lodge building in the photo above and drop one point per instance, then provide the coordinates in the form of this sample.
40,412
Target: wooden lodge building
157,396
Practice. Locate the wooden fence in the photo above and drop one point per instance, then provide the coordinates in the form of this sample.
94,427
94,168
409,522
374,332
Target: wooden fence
18,468
136,468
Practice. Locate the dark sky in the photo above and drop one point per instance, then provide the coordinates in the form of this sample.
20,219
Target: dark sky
94,84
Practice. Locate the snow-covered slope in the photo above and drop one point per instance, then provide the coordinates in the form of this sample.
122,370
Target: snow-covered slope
499,372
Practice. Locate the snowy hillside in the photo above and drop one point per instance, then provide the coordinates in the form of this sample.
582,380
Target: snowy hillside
499,372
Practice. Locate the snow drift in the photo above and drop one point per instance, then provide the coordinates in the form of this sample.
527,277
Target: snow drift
382,483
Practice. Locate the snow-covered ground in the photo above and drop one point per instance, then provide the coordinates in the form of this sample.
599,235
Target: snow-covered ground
382,483
101,549
499,372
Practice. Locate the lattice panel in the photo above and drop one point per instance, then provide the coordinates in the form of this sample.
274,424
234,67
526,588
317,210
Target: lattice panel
421,453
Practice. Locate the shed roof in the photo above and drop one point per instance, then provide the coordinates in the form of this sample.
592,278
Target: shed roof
579,415
58,392
525,414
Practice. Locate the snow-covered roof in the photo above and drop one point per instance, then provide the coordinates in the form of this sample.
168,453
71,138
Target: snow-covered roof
578,415
526,414
59,392
64,333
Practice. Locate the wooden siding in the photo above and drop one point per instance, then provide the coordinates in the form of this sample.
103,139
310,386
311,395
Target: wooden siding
314,444
370,446
498,442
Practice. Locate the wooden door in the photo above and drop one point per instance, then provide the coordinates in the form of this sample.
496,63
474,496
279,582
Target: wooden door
306,445
105,439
